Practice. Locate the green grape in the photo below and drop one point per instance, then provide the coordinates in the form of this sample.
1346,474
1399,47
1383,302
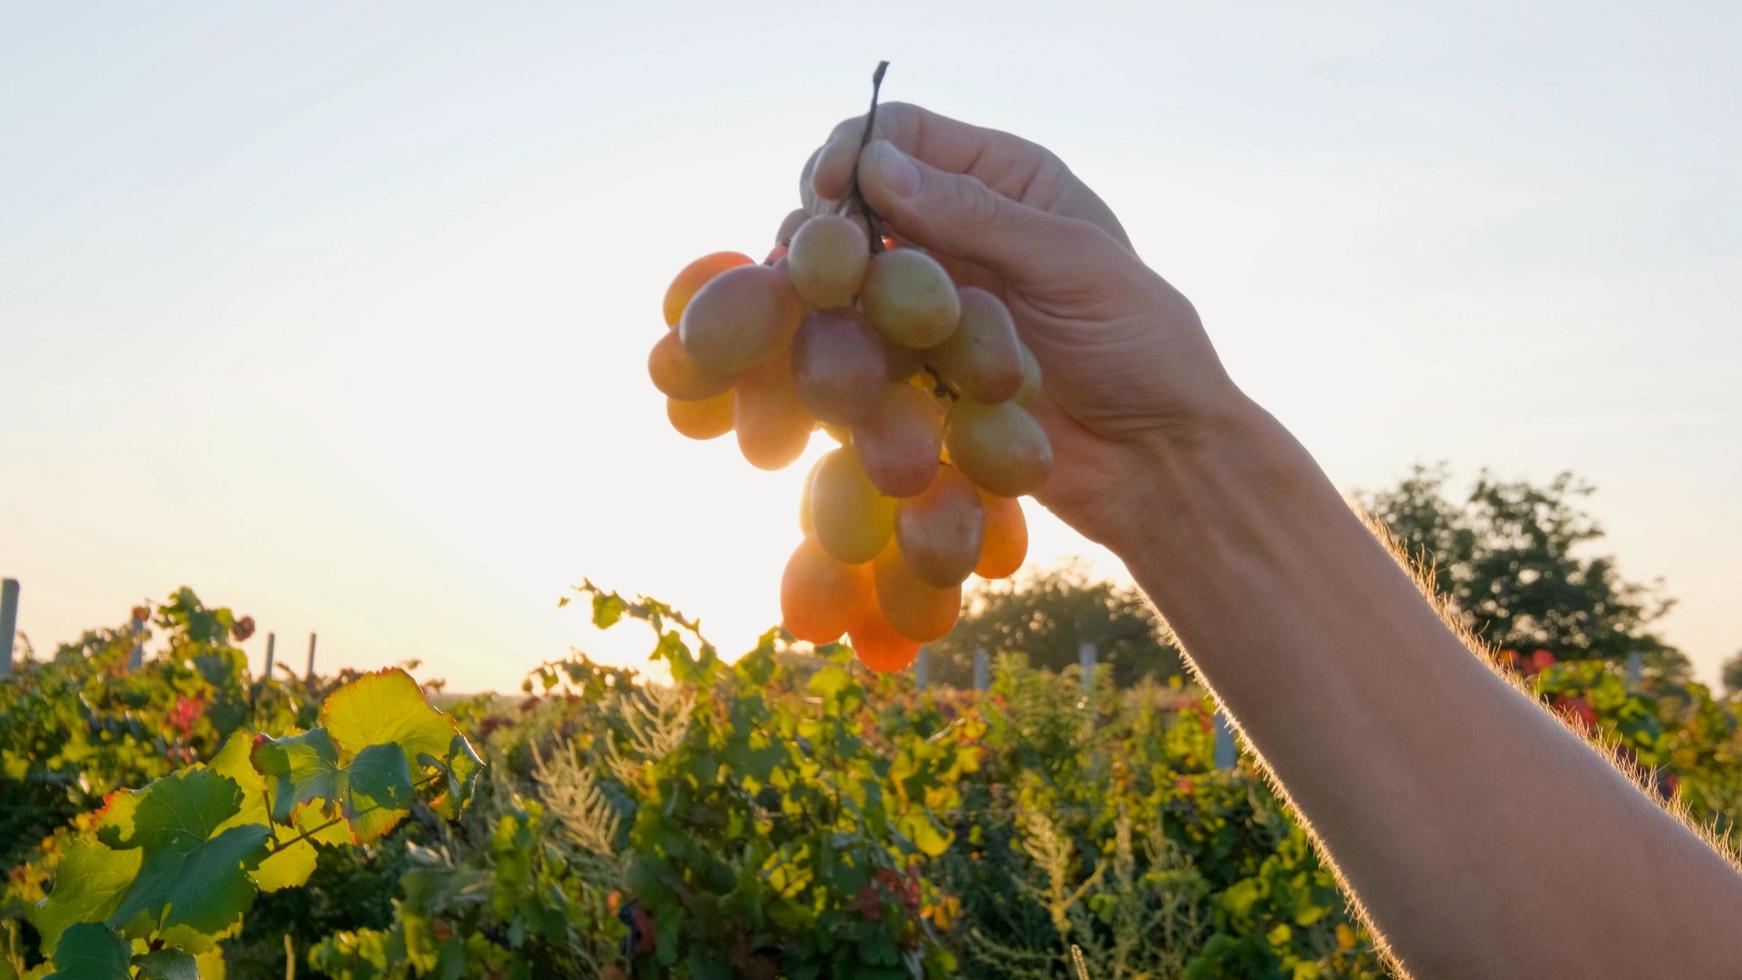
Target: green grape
773,424
676,375
941,530
910,299
839,365
741,318
898,442
1000,447
827,260
983,358
851,519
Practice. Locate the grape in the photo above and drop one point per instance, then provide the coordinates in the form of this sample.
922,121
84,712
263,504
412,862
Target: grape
914,609
806,526
1000,447
789,225
940,531
773,425
820,597
910,299
839,365
709,418
840,433
676,375
898,443
983,358
1030,378
693,277
827,261
879,646
740,318
852,520
1006,537
904,363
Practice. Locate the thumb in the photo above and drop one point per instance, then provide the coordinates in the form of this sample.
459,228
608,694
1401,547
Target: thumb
959,216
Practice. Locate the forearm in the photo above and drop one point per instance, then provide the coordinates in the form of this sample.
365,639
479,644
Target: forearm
1483,837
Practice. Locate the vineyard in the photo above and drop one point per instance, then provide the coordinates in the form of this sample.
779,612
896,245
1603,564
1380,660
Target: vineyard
784,814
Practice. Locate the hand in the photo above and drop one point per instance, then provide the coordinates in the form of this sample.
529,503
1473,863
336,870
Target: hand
1129,372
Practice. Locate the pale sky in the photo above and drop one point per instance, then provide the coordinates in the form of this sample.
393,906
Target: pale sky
338,313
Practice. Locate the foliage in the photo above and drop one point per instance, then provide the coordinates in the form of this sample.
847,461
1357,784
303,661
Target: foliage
776,816
1733,674
149,883
1506,558
1047,614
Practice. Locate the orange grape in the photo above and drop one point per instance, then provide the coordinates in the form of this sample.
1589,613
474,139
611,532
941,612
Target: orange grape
1000,447
914,609
827,260
693,277
773,425
983,358
940,531
820,597
839,365
910,299
878,645
1005,541
851,519
675,374
898,443
708,418
741,318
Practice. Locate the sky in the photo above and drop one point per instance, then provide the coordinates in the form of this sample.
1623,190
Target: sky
339,313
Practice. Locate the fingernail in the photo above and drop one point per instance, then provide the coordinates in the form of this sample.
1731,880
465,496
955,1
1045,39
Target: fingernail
891,168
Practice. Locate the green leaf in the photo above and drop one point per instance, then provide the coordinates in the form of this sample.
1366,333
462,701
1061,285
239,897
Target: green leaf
88,884
386,707
290,866
380,793
607,609
192,873
303,768
89,951
167,964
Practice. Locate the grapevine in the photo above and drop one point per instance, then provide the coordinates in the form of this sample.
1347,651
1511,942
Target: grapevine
925,385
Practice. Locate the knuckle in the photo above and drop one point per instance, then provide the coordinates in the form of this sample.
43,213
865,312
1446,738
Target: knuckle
977,206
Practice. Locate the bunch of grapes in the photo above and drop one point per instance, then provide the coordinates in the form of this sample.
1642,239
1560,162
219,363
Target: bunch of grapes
922,382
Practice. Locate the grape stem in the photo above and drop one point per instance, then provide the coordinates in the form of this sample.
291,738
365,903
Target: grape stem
871,220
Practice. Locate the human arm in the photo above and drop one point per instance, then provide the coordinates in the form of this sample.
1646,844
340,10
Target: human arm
1481,835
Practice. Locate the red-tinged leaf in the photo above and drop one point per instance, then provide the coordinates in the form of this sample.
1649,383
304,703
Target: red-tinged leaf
88,884
386,707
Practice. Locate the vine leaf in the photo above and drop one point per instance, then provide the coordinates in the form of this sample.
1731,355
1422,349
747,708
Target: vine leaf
90,951
302,768
290,866
380,793
88,883
389,707
167,964
193,874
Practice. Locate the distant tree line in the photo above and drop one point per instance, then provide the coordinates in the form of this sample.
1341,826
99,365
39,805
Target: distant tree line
1509,556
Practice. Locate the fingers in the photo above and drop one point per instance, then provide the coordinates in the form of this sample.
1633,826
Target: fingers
960,216
1003,162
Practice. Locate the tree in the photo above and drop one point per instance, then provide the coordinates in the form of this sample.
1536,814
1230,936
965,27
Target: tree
1505,558
1047,614
1733,674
